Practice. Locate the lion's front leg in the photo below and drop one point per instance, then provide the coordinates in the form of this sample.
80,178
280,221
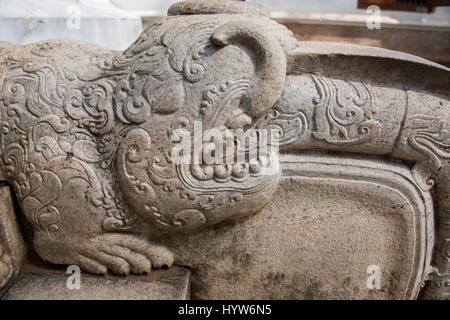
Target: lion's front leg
67,203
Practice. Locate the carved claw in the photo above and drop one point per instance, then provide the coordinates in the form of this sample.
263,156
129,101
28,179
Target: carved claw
267,88
120,253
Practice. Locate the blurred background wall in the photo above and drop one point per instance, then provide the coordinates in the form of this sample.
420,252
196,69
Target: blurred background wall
424,30
27,21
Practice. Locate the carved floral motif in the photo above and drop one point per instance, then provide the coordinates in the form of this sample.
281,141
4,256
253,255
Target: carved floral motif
430,136
344,112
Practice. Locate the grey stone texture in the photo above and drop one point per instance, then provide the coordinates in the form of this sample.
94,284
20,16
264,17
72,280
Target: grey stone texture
44,284
88,141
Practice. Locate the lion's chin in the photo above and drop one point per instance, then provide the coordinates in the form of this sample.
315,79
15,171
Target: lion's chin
180,211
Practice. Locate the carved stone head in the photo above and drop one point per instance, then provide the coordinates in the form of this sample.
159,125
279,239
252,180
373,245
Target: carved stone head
191,76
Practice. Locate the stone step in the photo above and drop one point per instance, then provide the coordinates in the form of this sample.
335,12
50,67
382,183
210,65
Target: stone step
170,284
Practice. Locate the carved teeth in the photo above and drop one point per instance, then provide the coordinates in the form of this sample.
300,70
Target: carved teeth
254,166
222,171
237,171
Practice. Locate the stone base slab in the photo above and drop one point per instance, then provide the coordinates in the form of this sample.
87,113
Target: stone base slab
171,284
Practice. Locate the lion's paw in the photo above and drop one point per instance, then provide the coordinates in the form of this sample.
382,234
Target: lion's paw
119,253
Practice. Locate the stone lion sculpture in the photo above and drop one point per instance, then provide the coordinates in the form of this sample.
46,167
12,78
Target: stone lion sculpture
87,133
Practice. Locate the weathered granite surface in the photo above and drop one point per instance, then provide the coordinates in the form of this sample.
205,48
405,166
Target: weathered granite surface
48,284
90,137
